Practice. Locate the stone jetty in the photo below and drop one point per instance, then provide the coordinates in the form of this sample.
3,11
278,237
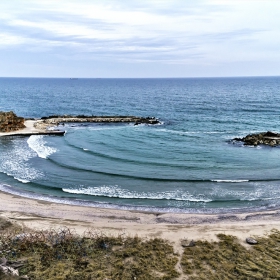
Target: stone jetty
264,138
11,125
51,121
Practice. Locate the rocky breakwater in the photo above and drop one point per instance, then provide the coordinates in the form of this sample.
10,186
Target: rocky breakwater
264,138
51,121
9,121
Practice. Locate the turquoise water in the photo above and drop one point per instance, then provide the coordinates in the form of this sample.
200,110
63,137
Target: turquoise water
187,163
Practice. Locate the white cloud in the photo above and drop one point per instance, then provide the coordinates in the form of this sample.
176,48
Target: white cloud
180,32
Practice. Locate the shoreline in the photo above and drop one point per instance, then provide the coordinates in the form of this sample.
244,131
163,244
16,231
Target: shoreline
222,213
174,227
40,214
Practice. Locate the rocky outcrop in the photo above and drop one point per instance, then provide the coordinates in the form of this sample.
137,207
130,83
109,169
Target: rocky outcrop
264,138
10,122
51,121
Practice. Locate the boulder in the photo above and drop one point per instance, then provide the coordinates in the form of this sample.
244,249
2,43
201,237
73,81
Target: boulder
264,138
9,121
251,241
185,243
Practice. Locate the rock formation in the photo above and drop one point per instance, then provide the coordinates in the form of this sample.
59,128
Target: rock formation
10,122
264,138
51,121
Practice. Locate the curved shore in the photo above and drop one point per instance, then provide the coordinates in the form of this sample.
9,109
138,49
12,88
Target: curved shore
171,226
174,227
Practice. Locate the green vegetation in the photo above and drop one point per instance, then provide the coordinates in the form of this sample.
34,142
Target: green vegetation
64,255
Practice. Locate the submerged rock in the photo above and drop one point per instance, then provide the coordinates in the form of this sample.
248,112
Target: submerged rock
264,138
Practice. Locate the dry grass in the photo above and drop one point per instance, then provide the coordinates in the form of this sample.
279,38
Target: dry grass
64,255
227,259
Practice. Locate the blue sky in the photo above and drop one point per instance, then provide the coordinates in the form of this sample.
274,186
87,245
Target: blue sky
159,38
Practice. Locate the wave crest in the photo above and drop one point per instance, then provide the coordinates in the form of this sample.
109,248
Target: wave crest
229,181
117,192
38,144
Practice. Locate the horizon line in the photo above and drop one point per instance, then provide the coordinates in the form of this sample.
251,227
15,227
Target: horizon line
194,77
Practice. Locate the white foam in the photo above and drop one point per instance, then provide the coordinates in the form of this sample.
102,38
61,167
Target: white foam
22,180
117,192
38,144
229,181
15,162
178,132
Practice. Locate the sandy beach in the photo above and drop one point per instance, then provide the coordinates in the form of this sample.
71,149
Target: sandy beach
174,227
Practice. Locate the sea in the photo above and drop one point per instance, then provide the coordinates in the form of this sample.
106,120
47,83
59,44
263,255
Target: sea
187,163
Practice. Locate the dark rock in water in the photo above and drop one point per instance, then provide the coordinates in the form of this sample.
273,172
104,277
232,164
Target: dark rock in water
271,134
251,241
264,138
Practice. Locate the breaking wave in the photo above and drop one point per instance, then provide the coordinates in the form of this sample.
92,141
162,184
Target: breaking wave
38,144
117,192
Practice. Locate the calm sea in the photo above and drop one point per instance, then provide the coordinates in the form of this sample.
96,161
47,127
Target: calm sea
185,164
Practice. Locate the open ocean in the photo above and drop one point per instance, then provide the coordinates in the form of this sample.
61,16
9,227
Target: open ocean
184,164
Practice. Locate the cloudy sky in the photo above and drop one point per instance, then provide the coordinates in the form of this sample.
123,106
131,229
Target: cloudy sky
139,38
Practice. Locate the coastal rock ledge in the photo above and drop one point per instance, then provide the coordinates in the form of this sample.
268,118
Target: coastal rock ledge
9,121
52,121
264,138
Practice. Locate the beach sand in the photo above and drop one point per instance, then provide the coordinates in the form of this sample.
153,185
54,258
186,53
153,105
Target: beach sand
37,214
29,128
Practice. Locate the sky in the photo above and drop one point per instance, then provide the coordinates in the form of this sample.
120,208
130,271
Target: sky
139,39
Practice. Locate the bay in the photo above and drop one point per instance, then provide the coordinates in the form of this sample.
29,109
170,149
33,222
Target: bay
187,163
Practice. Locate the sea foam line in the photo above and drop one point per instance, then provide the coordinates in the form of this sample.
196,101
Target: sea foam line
70,201
117,192
229,181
